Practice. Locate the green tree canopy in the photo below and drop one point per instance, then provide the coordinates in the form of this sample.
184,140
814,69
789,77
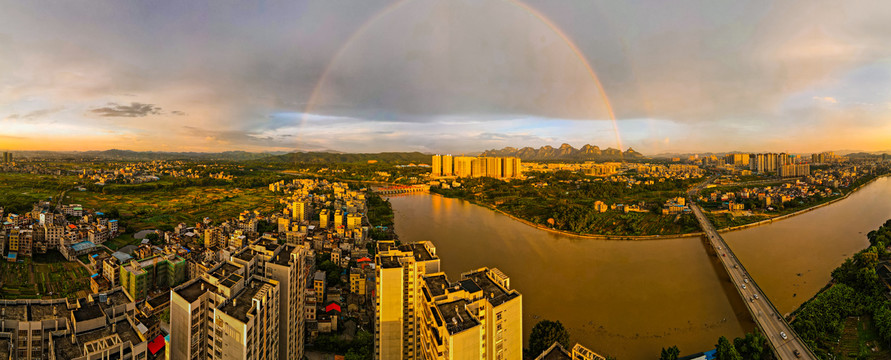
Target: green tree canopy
726,350
671,353
544,334
753,346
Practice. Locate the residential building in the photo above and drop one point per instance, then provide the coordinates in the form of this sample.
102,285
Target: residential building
398,272
357,281
324,218
319,284
246,326
140,278
478,317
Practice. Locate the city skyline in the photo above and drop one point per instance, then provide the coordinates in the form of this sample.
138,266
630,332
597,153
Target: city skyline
454,77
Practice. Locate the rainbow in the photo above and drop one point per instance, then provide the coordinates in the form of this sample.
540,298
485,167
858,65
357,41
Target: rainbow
528,9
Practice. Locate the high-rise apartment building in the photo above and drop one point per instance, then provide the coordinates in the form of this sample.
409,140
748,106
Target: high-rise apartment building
246,326
421,315
448,165
737,159
436,165
463,166
510,167
398,274
286,267
493,167
478,317
467,166
794,170
251,307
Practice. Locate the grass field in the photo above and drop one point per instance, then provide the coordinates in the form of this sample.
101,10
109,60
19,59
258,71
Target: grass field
44,276
18,192
168,207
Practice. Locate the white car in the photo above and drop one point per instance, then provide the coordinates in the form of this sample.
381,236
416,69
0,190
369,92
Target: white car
783,335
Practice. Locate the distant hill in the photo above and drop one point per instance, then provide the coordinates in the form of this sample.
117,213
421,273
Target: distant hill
333,157
565,152
129,155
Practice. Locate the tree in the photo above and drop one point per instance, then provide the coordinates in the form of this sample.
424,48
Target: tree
671,353
753,346
726,351
544,334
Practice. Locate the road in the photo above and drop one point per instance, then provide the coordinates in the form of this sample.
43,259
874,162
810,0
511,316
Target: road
768,318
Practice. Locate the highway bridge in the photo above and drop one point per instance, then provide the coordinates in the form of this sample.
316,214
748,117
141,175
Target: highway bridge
783,340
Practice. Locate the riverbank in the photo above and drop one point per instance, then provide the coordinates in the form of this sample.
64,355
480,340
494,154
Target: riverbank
666,236
799,212
573,234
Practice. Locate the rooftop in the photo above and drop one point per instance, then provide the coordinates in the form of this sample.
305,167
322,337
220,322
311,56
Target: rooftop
384,246
241,305
390,262
4,349
247,254
191,291
468,285
88,311
555,352
40,312
284,256
114,298
457,318
437,284
270,246
421,252
66,350
159,300
223,270
14,312
496,295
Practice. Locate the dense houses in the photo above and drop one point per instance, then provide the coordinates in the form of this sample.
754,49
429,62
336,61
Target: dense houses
259,286
69,229
821,183
140,172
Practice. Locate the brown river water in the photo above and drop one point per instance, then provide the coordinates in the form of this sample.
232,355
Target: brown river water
631,298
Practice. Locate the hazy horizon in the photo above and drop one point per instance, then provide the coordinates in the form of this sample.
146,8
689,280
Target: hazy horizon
446,76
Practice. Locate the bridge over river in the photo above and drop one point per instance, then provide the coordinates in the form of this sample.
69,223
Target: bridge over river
783,340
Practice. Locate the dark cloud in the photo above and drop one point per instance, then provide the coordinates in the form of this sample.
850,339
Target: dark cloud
135,109
178,113
36,114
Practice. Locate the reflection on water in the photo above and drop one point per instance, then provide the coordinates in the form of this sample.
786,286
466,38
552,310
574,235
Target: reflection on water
631,298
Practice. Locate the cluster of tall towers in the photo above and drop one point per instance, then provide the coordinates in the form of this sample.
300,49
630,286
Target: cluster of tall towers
7,157
469,166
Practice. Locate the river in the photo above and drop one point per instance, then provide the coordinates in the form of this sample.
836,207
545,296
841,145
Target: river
631,298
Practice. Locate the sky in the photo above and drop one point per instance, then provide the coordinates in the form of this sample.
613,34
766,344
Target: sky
456,76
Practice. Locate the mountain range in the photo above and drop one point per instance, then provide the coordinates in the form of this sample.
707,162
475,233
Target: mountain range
565,152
